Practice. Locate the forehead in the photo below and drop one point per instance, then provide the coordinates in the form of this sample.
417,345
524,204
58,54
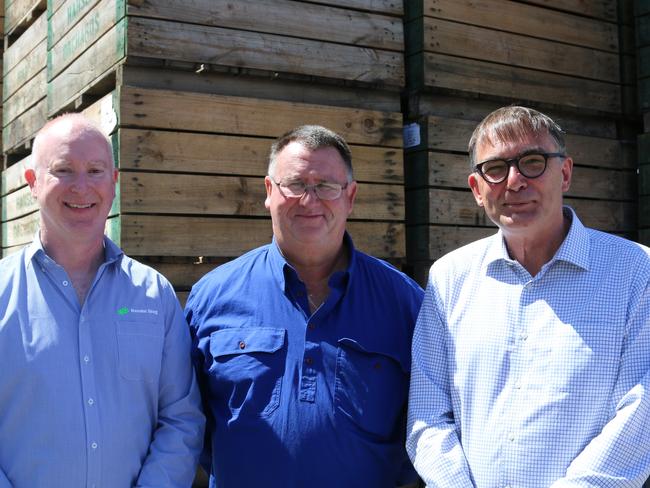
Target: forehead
296,158
493,147
74,144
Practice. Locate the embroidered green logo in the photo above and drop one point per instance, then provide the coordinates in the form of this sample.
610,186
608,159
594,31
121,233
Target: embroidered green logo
123,311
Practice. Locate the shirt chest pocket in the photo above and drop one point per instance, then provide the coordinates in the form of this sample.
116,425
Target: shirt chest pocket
247,369
371,388
139,350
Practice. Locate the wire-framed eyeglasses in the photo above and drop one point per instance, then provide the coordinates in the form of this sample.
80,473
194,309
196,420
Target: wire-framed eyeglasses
530,165
325,190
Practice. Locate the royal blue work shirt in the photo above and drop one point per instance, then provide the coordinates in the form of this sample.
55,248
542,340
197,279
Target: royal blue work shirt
295,399
98,395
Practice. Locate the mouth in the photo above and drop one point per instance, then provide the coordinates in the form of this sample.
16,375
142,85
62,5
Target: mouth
79,205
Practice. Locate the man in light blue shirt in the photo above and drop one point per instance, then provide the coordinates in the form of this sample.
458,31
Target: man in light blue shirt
96,383
531,353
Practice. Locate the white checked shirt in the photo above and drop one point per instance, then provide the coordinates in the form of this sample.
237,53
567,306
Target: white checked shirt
521,381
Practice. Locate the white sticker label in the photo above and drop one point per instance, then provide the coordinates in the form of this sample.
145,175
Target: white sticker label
107,117
411,135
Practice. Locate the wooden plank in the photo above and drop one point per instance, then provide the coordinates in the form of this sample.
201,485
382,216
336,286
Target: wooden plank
150,235
25,45
62,51
18,204
12,177
644,179
93,65
23,129
31,64
20,231
530,20
459,208
21,13
431,242
644,211
185,152
270,16
448,134
164,193
183,274
161,109
480,77
24,98
61,20
160,39
600,9
392,7
486,44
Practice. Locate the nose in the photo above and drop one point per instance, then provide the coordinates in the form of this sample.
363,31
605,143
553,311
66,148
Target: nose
309,196
515,181
79,183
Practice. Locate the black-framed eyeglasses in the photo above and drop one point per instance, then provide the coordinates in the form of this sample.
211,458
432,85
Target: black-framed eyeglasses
325,190
530,165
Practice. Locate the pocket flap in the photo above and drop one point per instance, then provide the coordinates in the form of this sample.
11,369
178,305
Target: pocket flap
372,347
245,340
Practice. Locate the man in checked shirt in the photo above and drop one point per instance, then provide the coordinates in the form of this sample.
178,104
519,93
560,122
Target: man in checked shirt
531,353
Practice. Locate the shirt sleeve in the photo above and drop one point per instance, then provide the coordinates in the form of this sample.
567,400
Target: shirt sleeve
433,442
178,438
619,456
4,481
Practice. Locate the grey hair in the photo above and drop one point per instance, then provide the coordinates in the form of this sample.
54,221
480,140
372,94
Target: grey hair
511,123
312,137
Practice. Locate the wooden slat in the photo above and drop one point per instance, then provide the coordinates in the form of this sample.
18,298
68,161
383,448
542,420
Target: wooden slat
24,98
530,20
162,193
201,236
31,64
21,130
600,9
61,20
185,152
24,45
93,65
18,204
431,242
181,275
21,13
270,16
20,231
392,7
644,179
459,208
199,112
160,39
12,177
441,36
63,50
441,71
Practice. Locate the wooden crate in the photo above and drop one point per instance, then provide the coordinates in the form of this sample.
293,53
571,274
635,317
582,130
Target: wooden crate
19,15
87,43
551,52
24,87
191,184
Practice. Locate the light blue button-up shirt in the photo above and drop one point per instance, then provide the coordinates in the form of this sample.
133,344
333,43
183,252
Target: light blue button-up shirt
99,395
540,381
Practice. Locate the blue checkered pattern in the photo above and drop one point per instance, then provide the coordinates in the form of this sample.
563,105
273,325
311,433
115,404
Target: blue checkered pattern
521,381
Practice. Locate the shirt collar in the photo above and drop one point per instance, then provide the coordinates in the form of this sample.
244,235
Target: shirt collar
574,249
35,249
280,266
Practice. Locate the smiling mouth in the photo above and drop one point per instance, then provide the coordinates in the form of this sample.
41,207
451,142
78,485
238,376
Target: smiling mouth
79,205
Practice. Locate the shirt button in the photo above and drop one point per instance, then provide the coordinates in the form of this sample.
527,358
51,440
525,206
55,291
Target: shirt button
94,445
91,401
65,283
309,360
86,359
511,438
523,337
518,386
242,345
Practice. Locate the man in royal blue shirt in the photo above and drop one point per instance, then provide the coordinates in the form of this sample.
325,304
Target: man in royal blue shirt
302,346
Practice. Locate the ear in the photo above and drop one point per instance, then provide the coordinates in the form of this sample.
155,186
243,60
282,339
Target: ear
30,177
351,195
116,174
472,181
567,172
268,184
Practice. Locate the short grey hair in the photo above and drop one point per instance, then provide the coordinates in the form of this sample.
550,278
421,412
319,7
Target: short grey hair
312,137
511,123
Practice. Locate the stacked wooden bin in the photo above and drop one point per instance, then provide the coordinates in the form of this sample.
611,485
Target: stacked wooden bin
642,13
193,95
573,60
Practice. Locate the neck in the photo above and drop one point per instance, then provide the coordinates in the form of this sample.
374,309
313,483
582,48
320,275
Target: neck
533,252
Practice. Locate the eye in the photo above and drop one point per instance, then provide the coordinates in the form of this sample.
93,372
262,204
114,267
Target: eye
494,168
294,187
